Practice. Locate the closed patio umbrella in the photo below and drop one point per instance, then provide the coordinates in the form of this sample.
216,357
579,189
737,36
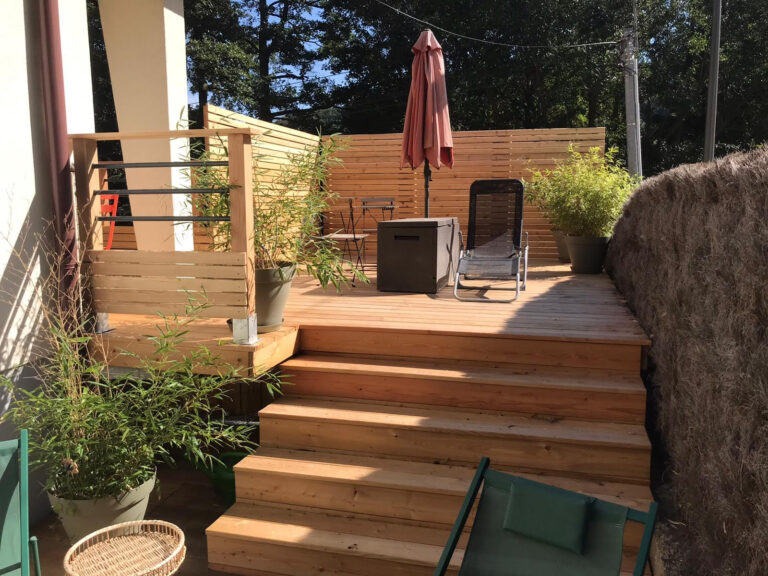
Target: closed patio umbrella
427,132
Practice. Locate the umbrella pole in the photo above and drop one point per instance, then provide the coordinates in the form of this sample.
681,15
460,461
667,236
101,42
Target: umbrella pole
427,180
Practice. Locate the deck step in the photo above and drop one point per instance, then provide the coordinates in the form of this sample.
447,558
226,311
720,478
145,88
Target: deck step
570,392
265,540
599,450
258,539
579,352
415,492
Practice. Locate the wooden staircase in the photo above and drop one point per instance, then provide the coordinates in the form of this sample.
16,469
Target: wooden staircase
365,462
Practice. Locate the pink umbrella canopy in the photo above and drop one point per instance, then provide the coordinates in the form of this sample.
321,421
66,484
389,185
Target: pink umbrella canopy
427,131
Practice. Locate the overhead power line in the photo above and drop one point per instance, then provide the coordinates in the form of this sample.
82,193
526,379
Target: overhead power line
493,42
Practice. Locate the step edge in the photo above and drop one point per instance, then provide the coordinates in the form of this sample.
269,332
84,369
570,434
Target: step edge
619,341
627,389
640,442
411,486
342,549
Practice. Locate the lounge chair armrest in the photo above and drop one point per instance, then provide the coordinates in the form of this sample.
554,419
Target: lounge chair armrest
461,520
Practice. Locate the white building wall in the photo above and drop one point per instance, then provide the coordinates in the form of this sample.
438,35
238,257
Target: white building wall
24,186
25,189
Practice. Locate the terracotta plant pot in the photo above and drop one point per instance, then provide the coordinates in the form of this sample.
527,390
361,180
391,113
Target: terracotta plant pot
81,517
587,253
272,288
562,247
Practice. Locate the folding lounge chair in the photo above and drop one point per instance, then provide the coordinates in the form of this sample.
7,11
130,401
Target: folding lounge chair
525,528
494,244
15,542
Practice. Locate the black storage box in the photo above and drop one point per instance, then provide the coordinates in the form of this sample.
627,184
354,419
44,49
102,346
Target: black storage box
417,254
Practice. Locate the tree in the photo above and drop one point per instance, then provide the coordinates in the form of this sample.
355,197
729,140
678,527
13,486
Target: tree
490,86
219,56
674,79
256,56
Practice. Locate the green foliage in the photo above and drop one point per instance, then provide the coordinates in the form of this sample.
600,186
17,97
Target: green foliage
257,56
97,434
273,60
288,206
583,196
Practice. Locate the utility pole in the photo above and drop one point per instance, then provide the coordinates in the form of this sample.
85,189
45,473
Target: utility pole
714,71
632,101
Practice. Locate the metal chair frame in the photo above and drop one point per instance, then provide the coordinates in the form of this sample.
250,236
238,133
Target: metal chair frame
350,238
28,543
648,519
520,251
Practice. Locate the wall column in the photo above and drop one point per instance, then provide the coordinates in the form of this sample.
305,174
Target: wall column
146,50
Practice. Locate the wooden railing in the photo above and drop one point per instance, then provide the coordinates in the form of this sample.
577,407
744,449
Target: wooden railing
218,284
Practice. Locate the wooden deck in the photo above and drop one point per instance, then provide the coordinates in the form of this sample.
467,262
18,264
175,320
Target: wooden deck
557,304
131,332
393,399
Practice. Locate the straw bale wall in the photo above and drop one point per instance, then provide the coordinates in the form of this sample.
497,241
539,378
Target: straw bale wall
690,254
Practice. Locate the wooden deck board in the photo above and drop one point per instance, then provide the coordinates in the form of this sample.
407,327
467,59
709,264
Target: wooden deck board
557,305
130,332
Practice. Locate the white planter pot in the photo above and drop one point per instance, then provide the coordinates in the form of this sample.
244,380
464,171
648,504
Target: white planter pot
81,517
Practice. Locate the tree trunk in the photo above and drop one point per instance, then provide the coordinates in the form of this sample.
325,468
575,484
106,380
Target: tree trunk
265,92
593,99
202,100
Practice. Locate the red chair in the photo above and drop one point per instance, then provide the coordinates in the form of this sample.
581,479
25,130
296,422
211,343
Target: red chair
109,208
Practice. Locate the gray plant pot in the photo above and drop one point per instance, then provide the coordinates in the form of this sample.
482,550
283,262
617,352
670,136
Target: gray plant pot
587,253
81,517
562,247
272,288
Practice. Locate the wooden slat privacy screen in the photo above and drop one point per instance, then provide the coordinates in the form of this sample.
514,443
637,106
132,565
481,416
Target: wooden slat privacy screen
371,169
137,282
273,149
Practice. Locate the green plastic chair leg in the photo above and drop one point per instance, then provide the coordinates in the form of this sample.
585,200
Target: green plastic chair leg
649,518
35,555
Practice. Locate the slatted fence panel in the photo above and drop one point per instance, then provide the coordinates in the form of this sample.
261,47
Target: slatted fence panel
139,282
274,149
371,168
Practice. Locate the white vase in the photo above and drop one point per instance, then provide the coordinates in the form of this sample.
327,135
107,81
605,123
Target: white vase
81,517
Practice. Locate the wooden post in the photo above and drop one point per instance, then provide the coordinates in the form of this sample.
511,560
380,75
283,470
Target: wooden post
632,102
90,233
241,227
714,74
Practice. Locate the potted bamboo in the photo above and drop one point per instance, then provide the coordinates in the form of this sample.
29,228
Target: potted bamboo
288,206
584,197
98,436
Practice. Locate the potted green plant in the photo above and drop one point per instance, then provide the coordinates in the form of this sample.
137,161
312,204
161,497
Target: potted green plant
99,435
289,203
560,244
584,197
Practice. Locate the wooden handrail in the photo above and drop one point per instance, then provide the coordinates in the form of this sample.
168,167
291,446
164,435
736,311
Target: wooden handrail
240,189
158,134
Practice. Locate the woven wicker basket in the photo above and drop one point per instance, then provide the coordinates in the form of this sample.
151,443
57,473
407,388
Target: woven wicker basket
143,548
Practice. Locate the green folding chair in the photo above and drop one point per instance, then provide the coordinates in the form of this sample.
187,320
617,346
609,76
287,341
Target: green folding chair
526,528
15,542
